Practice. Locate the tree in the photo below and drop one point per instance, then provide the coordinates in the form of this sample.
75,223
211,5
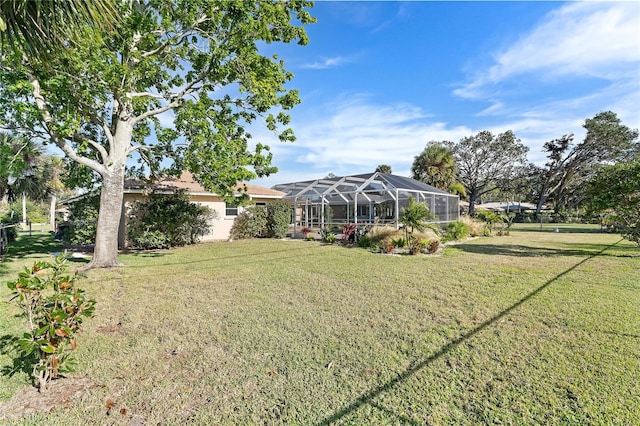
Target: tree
435,166
486,161
40,29
384,168
21,171
198,66
570,167
617,188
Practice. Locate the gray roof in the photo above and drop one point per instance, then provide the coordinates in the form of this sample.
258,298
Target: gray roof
362,183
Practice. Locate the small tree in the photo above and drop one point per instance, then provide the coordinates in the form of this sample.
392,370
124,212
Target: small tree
414,218
55,309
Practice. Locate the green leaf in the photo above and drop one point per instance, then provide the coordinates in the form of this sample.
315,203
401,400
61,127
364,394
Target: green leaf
48,349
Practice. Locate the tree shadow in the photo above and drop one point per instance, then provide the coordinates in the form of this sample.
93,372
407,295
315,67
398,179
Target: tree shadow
28,245
519,250
563,228
21,363
368,397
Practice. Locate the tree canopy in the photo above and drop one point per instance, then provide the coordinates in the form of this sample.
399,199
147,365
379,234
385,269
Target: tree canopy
435,165
486,161
616,188
570,167
178,83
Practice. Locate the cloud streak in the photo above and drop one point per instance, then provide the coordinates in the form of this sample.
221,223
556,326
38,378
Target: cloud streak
587,39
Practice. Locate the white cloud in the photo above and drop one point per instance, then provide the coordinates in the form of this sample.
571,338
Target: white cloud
354,135
326,63
589,39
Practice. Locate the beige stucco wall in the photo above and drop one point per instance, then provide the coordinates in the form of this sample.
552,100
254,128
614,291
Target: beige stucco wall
220,226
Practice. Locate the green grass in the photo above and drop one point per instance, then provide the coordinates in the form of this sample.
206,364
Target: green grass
534,328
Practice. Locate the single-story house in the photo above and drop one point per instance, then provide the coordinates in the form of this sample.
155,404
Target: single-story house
510,207
137,190
364,199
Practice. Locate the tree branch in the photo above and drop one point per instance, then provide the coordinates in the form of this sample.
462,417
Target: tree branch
55,136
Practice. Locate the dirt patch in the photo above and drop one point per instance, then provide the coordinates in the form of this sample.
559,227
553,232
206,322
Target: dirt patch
61,393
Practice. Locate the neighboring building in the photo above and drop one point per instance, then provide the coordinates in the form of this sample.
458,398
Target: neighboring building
364,199
509,207
136,190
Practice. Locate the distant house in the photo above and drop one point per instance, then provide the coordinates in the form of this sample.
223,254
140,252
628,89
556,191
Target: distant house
510,207
137,190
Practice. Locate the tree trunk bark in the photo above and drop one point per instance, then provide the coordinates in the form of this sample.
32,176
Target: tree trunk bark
52,213
105,254
24,209
472,202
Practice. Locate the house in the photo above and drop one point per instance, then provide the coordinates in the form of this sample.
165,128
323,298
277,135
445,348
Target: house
364,199
137,190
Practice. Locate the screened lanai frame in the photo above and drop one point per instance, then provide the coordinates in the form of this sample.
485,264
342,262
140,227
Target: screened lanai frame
365,199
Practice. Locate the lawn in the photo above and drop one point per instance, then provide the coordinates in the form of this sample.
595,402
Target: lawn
533,328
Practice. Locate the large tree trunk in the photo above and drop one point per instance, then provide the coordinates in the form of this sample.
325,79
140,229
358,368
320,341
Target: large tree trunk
473,196
105,254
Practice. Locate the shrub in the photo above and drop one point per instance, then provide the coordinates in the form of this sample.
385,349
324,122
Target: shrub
490,218
278,218
399,242
164,221
476,228
80,229
387,245
348,232
457,230
36,212
364,241
11,233
432,246
55,308
327,236
250,223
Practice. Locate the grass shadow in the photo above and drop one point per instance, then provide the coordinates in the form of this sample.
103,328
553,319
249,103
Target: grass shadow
531,251
368,397
21,363
35,244
569,228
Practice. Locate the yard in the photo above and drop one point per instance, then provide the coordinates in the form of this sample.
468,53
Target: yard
533,328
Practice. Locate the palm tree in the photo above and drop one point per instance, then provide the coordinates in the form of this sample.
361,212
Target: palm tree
22,172
384,168
40,28
435,166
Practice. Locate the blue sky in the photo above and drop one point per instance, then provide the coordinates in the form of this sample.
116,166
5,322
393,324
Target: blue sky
379,80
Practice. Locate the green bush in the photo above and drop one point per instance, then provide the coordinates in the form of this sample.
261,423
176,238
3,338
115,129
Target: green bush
55,309
278,218
250,223
164,221
364,241
11,233
80,228
36,212
457,230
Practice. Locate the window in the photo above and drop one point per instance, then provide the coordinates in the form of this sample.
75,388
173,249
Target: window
261,204
230,209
